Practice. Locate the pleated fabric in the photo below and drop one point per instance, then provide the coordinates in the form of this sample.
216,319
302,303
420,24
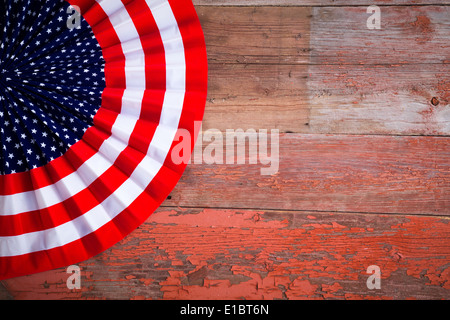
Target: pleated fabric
89,118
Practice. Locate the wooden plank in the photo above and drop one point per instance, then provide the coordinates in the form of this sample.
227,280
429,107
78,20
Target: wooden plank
408,35
302,35
256,35
330,99
392,99
256,254
319,80
377,174
314,3
257,96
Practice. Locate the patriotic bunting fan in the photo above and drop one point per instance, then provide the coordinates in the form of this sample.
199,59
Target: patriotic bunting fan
92,95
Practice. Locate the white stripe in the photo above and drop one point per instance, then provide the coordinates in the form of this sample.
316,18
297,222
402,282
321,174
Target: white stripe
145,171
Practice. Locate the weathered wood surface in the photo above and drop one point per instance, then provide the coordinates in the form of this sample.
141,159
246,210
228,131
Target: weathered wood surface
364,166
374,174
256,254
330,99
267,71
283,35
408,35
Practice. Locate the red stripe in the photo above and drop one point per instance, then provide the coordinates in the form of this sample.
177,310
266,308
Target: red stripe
151,41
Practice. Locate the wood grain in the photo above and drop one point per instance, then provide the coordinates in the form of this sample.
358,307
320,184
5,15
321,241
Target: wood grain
330,99
376,174
295,70
277,35
303,35
384,99
412,34
256,254
257,96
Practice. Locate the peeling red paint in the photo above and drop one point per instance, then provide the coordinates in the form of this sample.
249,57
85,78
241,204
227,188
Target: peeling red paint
424,27
227,254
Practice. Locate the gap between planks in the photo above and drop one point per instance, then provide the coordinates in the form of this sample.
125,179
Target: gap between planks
312,211
309,4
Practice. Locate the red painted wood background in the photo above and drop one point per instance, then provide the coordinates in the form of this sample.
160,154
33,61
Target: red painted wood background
364,172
